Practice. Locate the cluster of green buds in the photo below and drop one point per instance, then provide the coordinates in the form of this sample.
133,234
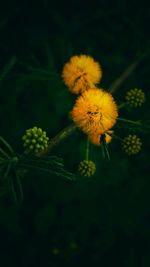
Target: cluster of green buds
87,168
135,97
35,140
131,144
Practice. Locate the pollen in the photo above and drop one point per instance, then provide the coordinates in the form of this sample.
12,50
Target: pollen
95,112
81,73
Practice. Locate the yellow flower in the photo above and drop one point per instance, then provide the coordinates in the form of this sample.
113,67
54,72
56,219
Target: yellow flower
96,139
87,168
135,97
95,112
81,73
131,144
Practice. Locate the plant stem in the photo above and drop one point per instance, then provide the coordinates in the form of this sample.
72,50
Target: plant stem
7,68
120,80
4,154
7,145
38,70
87,149
58,138
63,173
122,105
129,121
16,188
117,137
117,83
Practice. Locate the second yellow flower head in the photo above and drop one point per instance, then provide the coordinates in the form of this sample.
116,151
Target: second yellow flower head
81,73
95,111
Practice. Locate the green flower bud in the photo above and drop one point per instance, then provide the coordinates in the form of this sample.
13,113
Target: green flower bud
35,140
135,97
131,144
87,168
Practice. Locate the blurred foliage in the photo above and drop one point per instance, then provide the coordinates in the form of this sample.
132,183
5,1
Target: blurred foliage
107,216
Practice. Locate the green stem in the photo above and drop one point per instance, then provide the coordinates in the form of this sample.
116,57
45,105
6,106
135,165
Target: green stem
7,145
65,174
7,67
122,105
1,159
48,162
117,83
130,121
117,137
125,74
30,166
87,149
16,188
4,154
42,71
58,138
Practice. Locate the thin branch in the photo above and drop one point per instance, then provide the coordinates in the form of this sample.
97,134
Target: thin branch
58,138
60,172
4,153
87,149
140,126
114,86
8,66
7,145
130,121
39,70
119,81
122,105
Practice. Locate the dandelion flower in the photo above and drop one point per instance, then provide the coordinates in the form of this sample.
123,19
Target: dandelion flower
81,73
131,144
87,168
35,140
95,112
96,139
135,97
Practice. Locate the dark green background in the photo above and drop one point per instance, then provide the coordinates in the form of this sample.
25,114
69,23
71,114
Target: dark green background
107,215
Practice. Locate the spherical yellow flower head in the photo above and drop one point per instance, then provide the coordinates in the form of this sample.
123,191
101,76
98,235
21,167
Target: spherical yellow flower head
95,112
96,139
135,97
35,140
81,73
87,168
131,144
